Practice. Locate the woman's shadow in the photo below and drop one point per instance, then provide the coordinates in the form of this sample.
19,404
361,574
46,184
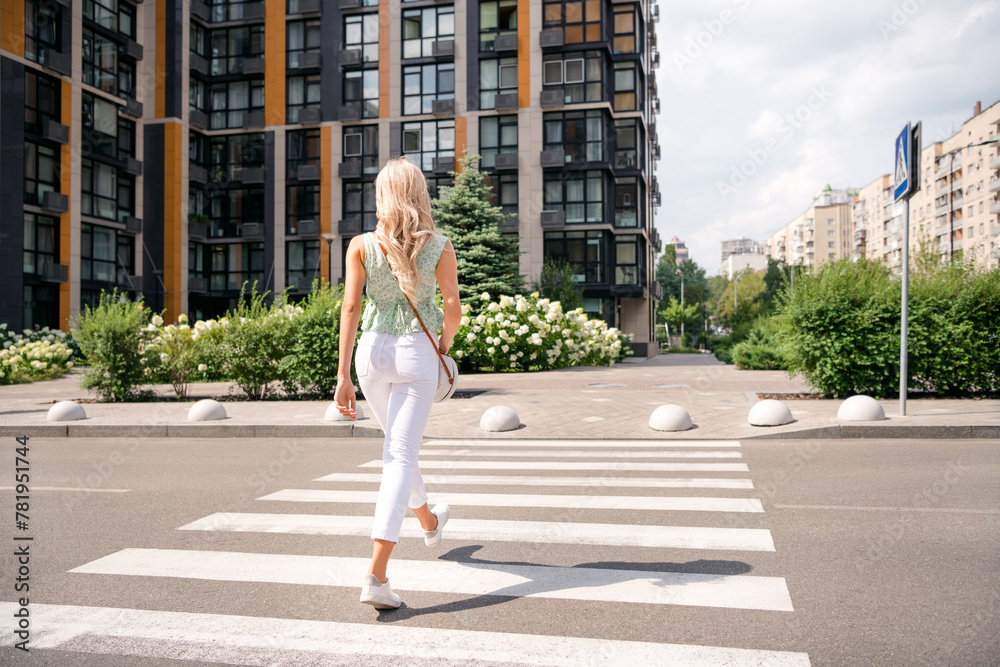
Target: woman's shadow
710,569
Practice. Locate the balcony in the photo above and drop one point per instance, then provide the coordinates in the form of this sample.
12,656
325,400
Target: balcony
197,284
506,161
309,60
253,66
509,225
308,6
349,170
506,102
55,273
994,230
253,119
308,172
504,43
994,185
197,231
197,174
133,283
956,184
553,219
56,132
349,112
553,158
995,162
198,119
252,231
860,234
349,227
551,38
310,115
55,202
133,225
350,58
443,107
303,283
552,97
995,207
442,165
942,209
443,48
253,176
308,229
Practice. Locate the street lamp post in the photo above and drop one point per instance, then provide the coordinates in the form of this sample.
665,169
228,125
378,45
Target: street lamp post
329,238
681,274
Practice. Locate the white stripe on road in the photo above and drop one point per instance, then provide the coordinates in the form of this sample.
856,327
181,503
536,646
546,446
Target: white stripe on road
582,444
575,465
511,480
858,508
252,640
587,455
669,537
458,578
672,503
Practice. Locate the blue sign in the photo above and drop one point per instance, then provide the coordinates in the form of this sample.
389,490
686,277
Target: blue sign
901,180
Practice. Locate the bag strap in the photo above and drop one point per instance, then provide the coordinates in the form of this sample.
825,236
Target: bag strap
447,371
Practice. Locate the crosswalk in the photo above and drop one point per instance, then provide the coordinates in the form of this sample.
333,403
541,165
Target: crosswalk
564,507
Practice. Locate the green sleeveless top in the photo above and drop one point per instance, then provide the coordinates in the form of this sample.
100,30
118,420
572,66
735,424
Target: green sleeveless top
387,310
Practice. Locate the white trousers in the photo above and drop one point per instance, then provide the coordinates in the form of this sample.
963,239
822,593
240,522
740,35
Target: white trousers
398,375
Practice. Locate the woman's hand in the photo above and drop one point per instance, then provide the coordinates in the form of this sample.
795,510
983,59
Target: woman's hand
345,399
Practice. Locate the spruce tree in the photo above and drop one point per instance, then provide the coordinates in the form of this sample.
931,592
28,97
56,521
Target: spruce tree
487,260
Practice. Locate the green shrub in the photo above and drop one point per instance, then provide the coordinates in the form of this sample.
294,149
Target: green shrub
178,352
310,369
762,349
115,342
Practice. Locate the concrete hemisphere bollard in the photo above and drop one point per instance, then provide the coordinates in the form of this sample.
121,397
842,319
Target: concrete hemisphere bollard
769,412
499,418
670,417
861,408
66,411
207,409
333,414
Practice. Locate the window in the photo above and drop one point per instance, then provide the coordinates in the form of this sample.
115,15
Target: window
504,192
303,91
422,84
422,27
426,140
361,87
100,126
230,155
303,37
497,134
579,74
361,145
230,101
583,251
198,149
100,62
126,139
831,232
829,244
105,255
126,20
580,194
496,17
627,144
126,79
579,19
626,87
98,190
230,47
41,172
496,76
196,97
625,30
102,12
233,264
303,149
230,209
359,204
579,133
361,33
39,243
40,305
227,10
301,261
627,260
41,101
627,202
41,30
302,203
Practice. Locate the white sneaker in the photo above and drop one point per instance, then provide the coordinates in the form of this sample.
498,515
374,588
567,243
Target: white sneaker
432,538
378,595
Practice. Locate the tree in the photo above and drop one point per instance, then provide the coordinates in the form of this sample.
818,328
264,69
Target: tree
675,314
556,284
750,295
487,260
695,282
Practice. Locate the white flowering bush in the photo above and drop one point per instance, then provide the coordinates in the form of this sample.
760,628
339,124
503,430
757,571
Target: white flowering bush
529,333
179,351
32,356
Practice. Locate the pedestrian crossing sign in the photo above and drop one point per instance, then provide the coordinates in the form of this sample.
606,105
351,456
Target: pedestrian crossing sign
901,180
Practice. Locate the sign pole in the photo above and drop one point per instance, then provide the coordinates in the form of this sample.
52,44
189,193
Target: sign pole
904,323
905,182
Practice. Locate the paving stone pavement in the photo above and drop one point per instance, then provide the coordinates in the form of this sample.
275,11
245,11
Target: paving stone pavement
584,403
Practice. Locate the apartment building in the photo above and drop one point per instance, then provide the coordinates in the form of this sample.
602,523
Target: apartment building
176,149
956,209
740,246
820,234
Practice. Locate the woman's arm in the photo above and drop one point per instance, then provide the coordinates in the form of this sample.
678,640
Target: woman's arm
447,278
350,313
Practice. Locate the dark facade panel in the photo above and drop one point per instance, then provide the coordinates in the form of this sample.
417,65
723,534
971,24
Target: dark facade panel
472,57
330,88
269,197
12,194
175,28
152,216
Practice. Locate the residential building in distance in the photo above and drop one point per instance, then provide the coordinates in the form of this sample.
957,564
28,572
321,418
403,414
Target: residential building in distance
741,245
681,251
175,150
741,261
820,234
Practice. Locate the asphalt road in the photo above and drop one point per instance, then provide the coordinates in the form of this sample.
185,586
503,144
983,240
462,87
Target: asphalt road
884,553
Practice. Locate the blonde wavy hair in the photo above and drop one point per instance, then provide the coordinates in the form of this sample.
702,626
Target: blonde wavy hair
403,209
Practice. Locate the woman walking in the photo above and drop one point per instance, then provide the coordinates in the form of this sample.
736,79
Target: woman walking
396,364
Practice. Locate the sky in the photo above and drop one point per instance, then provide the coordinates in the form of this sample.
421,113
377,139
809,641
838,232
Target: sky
765,102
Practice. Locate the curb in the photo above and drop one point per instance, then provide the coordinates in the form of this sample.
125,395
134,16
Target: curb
350,430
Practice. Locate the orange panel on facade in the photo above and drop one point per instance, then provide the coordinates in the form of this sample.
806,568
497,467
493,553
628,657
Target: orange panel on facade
461,141
325,192
12,20
173,154
274,63
523,53
65,185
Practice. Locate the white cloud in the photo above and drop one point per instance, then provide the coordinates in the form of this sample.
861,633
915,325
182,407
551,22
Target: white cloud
932,63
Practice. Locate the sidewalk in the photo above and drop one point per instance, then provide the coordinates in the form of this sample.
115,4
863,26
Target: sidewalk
581,403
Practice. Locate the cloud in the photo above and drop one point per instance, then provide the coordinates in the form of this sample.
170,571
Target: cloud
727,87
